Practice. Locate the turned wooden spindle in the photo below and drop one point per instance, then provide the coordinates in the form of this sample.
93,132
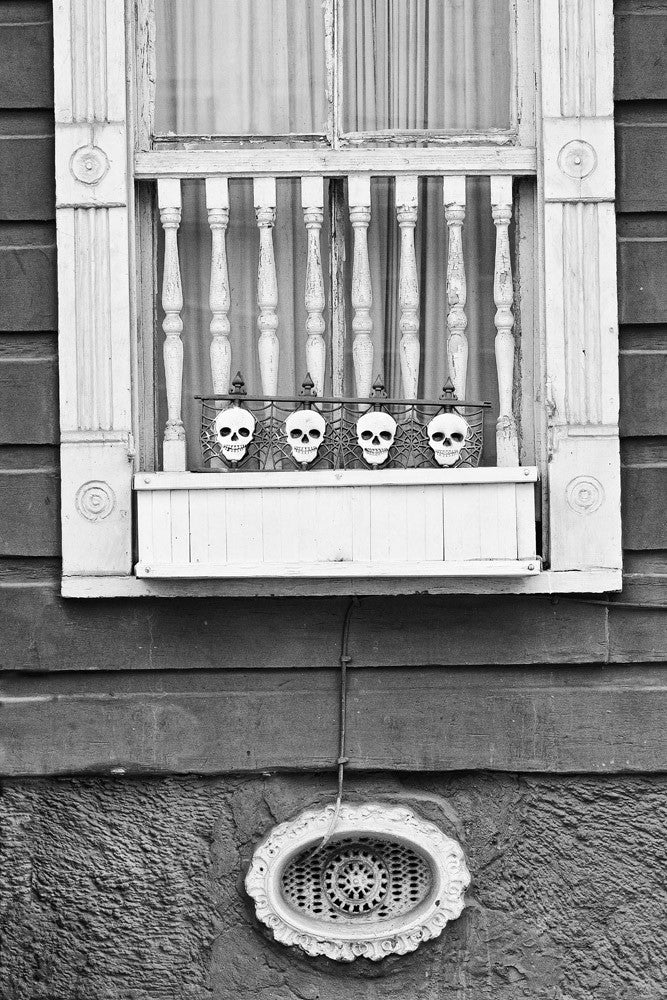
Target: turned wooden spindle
408,285
454,197
312,202
268,346
507,446
359,189
169,204
217,205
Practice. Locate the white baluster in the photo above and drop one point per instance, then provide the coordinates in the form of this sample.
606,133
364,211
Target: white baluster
312,202
169,203
217,204
408,286
454,196
268,345
359,188
503,292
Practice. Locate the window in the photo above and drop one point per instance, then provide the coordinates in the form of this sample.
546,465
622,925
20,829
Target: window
427,219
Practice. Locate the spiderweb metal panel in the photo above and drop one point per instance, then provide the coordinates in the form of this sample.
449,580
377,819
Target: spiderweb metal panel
276,437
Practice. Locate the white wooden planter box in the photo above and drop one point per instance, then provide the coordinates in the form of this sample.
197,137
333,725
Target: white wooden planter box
421,522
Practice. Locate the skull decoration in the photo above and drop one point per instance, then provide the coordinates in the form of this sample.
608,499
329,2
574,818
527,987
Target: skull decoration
234,429
304,431
447,433
376,432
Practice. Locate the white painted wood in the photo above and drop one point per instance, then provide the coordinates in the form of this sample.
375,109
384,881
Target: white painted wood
342,477
169,203
577,224
217,205
507,443
312,201
473,160
333,525
359,196
472,567
268,346
93,228
546,582
407,208
454,197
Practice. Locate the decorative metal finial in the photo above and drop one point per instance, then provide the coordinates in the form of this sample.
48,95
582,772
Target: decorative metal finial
238,386
308,386
448,397
379,391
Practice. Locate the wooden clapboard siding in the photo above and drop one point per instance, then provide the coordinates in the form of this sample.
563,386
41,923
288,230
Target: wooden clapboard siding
231,714
641,166
513,719
26,68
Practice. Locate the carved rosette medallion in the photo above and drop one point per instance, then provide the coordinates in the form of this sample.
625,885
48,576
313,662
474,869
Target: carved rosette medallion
89,164
95,500
577,159
385,881
585,494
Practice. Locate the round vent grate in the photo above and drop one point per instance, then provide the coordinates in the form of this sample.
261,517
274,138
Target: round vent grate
384,883
356,877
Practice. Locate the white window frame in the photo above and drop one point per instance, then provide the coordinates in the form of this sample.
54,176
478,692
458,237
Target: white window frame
576,374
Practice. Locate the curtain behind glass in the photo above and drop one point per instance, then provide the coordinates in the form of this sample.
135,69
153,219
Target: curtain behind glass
240,67
426,64
247,105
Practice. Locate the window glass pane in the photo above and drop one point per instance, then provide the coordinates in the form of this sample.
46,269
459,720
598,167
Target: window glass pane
415,64
239,67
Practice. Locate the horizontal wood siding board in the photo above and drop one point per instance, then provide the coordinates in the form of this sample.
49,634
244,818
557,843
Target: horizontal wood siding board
640,44
26,64
643,493
591,720
642,291
641,165
28,283
30,515
643,379
49,633
27,178
29,401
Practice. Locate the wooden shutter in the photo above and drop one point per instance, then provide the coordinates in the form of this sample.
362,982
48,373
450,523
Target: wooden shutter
576,177
93,286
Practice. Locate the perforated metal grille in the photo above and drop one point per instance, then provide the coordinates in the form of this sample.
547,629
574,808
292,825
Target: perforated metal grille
357,877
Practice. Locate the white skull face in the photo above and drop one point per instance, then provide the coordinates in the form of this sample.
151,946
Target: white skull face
234,429
304,431
447,433
376,431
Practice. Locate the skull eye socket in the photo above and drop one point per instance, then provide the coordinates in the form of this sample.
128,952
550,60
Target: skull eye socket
294,433
438,436
385,435
366,435
225,432
457,436
315,433
244,432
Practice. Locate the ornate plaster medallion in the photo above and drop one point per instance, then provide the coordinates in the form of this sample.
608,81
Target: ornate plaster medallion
386,881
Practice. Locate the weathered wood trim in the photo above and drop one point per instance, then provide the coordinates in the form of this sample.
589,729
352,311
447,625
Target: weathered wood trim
148,481
580,322
547,582
595,720
93,231
473,160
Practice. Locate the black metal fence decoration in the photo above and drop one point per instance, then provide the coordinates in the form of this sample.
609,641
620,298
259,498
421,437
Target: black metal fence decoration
304,432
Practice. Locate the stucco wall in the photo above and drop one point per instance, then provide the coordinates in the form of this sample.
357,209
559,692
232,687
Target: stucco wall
132,889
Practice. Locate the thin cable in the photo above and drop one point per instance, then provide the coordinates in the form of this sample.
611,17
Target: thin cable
343,759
